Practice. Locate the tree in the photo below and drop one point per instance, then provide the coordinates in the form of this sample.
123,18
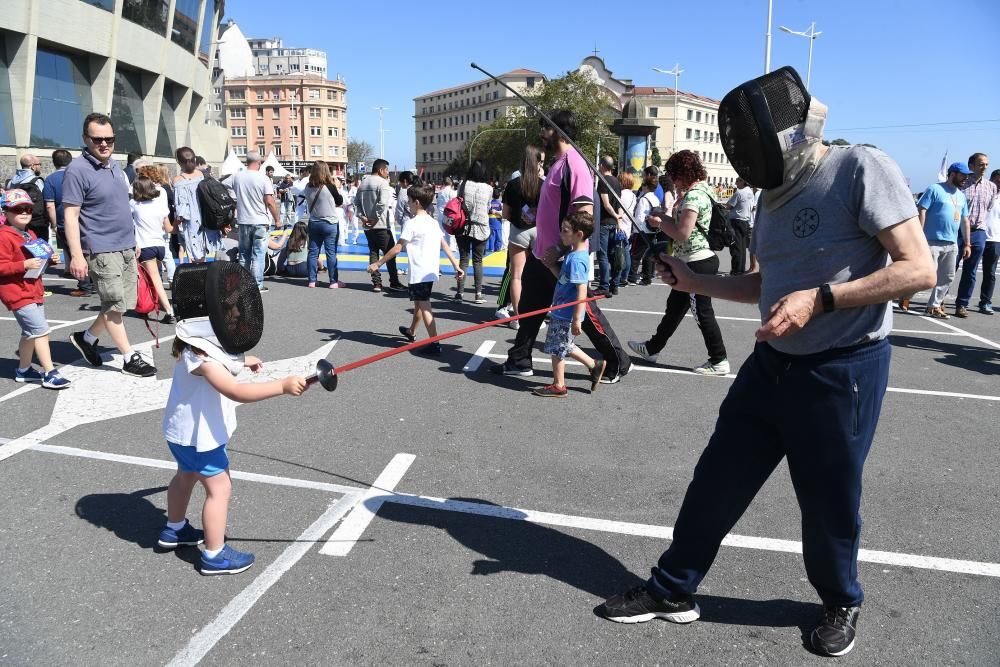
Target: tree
503,151
359,151
655,158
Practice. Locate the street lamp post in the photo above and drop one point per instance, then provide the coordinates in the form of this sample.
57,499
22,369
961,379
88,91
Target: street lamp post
676,72
381,132
811,35
767,41
495,129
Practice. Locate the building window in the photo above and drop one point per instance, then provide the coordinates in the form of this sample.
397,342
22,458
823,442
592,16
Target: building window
697,117
103,4
260,130
690,114
423,140
314,93
277,131
150,14
237,95
687,133
331,95
652,111
277,149
329,151
294,67
315,112
697,135
240,150
239,132
316,151
329,113
208,31
423,125
185,26
294,130
166,130
260,95
293,112
275,113
260,114
315,131
127,111
262,149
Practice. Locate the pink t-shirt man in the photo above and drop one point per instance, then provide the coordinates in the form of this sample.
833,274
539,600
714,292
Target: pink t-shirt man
581,184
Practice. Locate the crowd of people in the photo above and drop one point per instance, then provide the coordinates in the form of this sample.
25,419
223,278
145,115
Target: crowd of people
821,357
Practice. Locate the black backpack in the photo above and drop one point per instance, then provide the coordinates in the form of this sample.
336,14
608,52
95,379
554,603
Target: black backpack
720,233
218,208
39,219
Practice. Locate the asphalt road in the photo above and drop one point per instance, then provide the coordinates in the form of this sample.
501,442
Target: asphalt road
516,515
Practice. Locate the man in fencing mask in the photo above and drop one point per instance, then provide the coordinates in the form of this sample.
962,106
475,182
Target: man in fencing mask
811,391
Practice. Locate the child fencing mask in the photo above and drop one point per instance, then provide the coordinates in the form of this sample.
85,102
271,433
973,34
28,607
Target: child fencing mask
219,310
771,130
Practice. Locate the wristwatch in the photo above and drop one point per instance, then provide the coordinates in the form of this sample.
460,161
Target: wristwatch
826,294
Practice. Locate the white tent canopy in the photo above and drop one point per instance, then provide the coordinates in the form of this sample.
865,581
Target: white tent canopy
271,161
232,165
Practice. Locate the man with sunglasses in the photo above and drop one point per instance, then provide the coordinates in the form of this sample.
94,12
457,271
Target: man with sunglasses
101,239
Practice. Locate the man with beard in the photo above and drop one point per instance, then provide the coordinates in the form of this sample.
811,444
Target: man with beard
568,187
812,389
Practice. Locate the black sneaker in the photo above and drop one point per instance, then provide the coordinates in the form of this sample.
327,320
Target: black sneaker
504,369
606,293
638,606
138,367
614,290
397,288
88,350
431,349
834,635
169,318
405,333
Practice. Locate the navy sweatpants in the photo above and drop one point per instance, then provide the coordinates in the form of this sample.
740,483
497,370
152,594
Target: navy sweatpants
820,411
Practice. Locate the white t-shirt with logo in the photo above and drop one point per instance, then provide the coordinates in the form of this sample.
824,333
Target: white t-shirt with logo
423,248
197,415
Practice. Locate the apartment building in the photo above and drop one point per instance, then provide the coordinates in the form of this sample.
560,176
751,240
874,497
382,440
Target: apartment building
445,120
271,57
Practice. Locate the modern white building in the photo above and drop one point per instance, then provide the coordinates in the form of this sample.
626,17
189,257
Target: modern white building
143,62
270,57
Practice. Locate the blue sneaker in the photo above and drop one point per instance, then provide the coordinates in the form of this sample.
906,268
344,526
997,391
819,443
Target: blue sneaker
228,561
986,309
188,536
30,375
52,380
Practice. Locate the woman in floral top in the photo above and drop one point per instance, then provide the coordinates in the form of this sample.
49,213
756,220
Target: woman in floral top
688,229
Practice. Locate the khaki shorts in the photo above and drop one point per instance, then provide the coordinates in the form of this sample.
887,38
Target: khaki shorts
115,279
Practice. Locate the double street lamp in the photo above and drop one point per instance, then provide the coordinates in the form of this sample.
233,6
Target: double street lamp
811,35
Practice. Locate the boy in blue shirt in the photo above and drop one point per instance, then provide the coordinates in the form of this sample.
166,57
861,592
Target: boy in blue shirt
495,242
565,323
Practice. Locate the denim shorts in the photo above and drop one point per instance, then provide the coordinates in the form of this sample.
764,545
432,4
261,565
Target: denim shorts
31,319
155,252
559,338
209,463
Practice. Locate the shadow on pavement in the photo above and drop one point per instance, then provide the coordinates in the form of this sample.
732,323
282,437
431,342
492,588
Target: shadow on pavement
976,359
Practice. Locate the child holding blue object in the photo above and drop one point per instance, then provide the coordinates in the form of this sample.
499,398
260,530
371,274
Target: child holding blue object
200,416
495,242
23,294
565,324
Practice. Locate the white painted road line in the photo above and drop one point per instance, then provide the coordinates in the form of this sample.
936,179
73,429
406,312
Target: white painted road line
359,495
678,371
14,319
667,533
209,636
29,440
74,322
756,320
973,336
172,465
477,359
350,531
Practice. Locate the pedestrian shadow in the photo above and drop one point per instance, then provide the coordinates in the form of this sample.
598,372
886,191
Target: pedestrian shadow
132,518
966,357
518,546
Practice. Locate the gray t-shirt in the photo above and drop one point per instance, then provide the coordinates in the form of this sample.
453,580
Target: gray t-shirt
250,188
827,234
102,193
741,203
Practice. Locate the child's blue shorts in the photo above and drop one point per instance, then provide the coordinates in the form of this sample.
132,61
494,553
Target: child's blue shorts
209,464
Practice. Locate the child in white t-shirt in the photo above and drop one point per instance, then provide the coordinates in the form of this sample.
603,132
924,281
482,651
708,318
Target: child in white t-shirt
198,421
423,240
151,217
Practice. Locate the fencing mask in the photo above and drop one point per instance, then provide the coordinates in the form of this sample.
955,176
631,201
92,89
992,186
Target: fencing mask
772,130
219,310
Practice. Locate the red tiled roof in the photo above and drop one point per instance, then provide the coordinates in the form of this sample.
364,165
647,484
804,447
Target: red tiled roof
663,90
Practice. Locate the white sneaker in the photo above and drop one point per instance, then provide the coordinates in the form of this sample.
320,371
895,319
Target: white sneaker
640,348
708,368
515,325
502,313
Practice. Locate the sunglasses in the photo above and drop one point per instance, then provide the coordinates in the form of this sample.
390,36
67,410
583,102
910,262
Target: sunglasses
102,140
21,210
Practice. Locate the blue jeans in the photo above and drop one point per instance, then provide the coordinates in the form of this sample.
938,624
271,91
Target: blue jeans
603,264
253,245
820,412
990,255
969,265
323,233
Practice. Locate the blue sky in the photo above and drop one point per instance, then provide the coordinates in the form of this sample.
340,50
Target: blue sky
878,63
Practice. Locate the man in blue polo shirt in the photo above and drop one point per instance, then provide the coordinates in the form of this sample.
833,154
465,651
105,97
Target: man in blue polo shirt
100,236
943,209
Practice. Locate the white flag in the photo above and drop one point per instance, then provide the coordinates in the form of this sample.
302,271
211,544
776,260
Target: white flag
943,171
